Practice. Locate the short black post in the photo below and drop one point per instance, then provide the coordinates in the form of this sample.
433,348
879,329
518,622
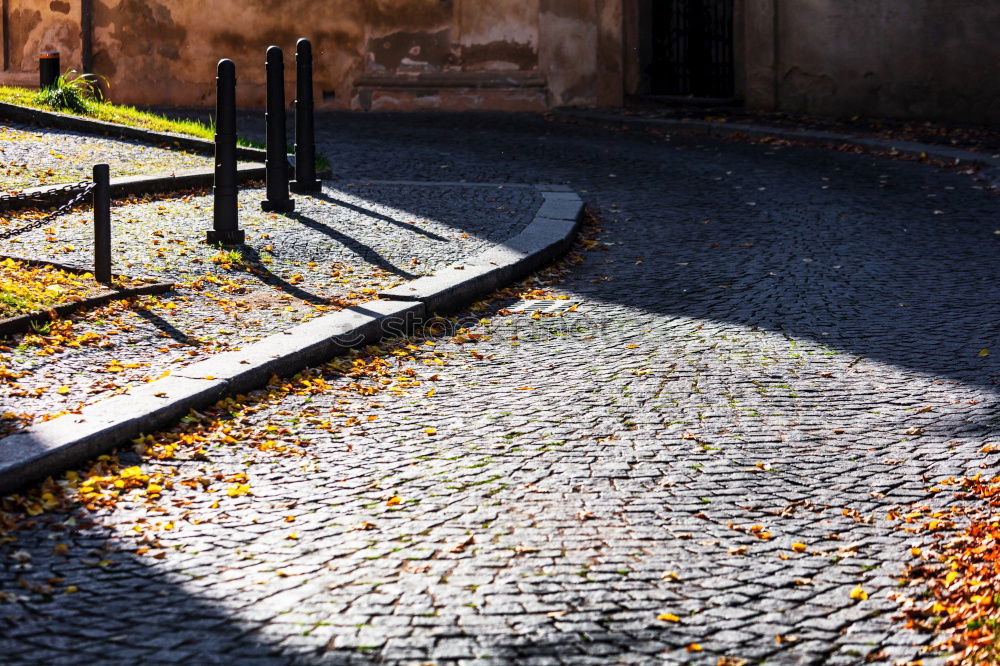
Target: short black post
277,147
305,136
48,69
102,223
225,220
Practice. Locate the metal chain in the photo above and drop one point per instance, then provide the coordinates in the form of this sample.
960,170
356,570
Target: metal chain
85,187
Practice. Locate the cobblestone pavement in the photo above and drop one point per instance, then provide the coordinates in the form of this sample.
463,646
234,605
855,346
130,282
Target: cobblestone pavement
30,156
773,348
337,248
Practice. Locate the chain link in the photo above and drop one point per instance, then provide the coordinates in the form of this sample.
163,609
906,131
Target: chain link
82,189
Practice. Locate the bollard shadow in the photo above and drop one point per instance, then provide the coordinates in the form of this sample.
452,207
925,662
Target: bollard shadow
378,216
164,325
259,270
365,252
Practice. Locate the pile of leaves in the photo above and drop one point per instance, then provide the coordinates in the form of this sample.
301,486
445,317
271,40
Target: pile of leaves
25,288
960,573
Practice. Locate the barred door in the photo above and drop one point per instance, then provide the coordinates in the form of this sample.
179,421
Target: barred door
692,48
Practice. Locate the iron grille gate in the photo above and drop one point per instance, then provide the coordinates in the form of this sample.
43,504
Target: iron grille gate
692,48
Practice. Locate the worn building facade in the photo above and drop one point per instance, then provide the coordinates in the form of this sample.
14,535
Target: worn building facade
900,58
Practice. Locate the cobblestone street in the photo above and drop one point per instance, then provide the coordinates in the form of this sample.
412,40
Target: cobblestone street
774,347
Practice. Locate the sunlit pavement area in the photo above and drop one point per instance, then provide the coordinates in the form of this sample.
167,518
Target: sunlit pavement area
338,248
773,348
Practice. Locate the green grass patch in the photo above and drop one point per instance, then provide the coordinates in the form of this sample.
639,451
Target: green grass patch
108,112
72,99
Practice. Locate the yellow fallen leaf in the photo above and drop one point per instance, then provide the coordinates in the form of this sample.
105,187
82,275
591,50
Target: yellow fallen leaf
984,352
62,390
859,594
694,647
950,578
293,536
799,547
667,617
430,394
430,431
394,500
237,491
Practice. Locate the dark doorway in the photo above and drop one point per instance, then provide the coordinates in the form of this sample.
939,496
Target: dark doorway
692,48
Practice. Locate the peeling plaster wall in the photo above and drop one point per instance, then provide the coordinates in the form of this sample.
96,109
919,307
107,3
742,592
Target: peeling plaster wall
165,51
43,26
496,36
930,59
570,63
502,54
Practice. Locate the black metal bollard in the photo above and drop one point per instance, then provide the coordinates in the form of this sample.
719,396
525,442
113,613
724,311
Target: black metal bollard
305,136
48,69
225,219
277,149
102,223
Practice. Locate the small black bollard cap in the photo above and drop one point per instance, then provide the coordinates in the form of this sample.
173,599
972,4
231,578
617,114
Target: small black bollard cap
303,46
273,53
227,68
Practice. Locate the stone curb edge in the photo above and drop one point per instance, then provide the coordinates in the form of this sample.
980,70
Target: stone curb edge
22,323
51,447
67,121
147,184
989,163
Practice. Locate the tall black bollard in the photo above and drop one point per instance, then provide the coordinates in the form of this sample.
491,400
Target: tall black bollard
305,136
225,220
102,223
277,149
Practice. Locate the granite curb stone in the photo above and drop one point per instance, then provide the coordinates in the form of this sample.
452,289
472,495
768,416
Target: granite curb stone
48,448
548,236
55,445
